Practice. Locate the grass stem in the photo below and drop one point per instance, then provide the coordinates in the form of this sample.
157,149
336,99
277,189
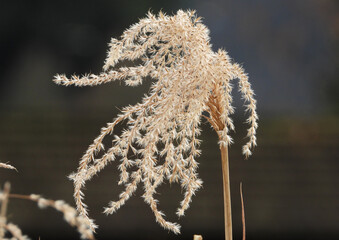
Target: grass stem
227,192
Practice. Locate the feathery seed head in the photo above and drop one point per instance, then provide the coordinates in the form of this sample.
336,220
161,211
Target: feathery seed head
189,79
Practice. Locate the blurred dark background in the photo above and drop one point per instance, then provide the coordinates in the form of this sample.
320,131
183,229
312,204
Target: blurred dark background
289,49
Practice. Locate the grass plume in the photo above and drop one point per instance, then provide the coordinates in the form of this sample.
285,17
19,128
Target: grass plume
161,141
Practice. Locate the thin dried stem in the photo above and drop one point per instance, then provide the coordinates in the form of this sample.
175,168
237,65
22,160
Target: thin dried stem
219,126
242,214
227,192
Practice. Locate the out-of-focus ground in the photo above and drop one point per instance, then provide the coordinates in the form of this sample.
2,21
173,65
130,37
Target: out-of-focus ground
289,49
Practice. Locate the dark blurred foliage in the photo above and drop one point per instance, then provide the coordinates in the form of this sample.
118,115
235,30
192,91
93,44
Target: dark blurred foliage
289,49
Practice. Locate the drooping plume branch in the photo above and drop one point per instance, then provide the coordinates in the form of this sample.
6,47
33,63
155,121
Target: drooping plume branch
6,165
70,214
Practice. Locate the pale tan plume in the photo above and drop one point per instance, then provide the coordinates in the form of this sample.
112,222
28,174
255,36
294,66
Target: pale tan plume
163,129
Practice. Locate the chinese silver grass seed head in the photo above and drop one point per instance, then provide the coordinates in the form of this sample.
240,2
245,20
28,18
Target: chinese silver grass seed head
162,131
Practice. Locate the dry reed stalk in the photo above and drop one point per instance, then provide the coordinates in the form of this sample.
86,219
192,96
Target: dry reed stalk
242,214
219,126
162,131
226,192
